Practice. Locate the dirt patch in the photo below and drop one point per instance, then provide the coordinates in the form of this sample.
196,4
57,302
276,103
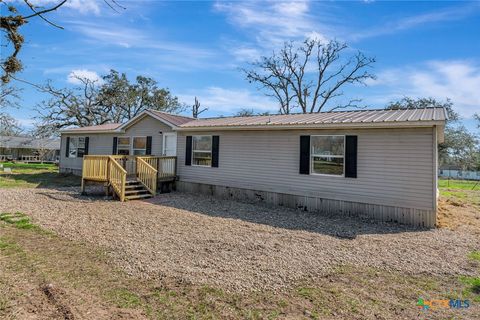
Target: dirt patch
56,297
457,214
237,246
45,277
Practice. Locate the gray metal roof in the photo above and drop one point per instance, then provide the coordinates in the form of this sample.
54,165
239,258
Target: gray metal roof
28,143
172,118
332,118
335,117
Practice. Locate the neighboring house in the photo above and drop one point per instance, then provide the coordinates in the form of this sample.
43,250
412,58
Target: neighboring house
378,163
29,149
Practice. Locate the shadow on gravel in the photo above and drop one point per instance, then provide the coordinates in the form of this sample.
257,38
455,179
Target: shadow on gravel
344,227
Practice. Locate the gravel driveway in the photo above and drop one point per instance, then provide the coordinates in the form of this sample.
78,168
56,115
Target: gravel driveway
234,245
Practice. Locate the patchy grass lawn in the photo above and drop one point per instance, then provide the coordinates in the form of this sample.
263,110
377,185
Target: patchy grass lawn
462,190
51,277
445,184
35,175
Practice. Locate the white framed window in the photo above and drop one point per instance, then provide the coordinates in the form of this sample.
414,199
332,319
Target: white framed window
327,155
202,151
123,146
76,147
139,146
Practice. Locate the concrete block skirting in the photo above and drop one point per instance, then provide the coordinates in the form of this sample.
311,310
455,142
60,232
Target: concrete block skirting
408,216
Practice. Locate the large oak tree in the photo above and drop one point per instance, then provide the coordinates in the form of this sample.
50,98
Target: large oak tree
114,100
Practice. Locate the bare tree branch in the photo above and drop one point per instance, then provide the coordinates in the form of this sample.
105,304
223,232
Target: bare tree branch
289,77
11,23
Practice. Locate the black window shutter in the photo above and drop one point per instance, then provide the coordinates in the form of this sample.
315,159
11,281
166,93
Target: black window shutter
304,154
67,147
215,151
148,150
351,156
188,151
114,150
87,141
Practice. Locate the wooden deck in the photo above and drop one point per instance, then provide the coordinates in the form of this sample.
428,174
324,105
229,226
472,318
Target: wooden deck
117,172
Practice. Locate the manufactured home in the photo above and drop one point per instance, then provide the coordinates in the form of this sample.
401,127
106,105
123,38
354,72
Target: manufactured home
376,163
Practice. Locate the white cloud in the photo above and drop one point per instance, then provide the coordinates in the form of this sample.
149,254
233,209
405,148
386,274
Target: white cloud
457,80
246,53
129,37
82,6
84,74
451,13
270,23
228,101
170,54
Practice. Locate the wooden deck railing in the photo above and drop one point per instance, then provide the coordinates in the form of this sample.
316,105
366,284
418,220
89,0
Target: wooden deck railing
149,170
147,175
151,160
167,168
95,168
117,178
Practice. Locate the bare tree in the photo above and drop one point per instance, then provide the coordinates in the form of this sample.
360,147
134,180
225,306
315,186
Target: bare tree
310,75
196,110
9,126
250,113
14,20
70,107
245,113
9,97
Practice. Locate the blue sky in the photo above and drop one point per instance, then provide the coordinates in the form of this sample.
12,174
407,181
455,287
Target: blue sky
196,48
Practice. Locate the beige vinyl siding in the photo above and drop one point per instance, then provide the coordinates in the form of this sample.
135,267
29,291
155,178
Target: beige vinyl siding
394,166
102,143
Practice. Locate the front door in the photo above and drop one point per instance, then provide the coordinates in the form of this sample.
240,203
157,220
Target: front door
170,144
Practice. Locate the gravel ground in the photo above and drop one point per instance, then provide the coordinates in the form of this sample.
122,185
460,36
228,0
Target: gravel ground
237,246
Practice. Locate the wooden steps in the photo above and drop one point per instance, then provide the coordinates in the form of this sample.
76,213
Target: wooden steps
112,170
136,190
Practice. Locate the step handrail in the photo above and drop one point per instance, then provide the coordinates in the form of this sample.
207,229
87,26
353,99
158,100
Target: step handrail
147,175
117,177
